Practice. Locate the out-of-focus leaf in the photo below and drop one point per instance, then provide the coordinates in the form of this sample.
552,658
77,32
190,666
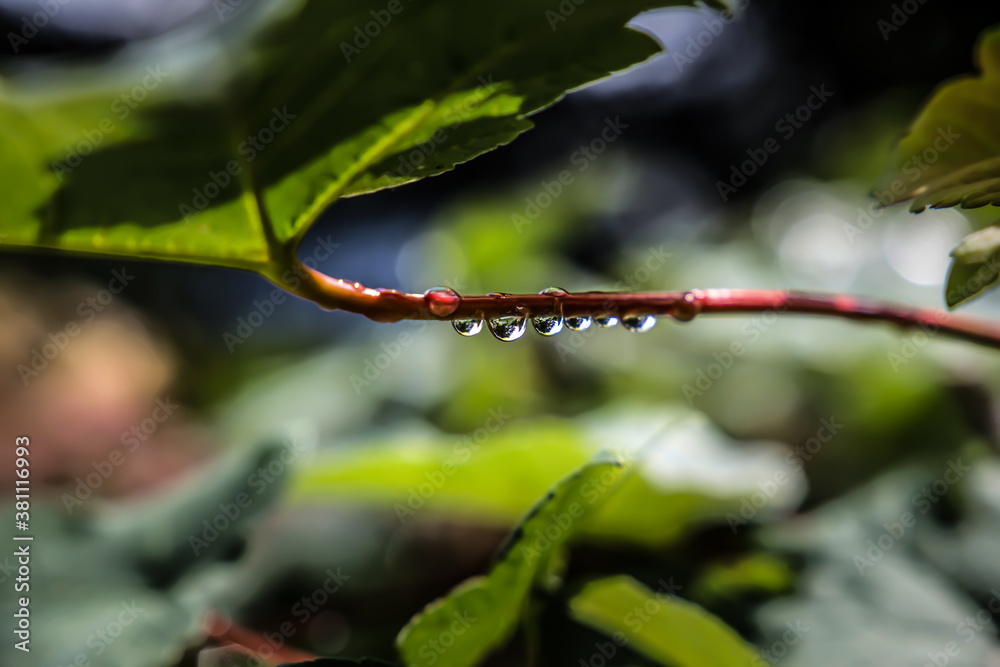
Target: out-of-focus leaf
494,476
867,595
951,156
115,603
227,153
760,572
967,550
122,624
686,473
480,614
662,627
202,519
968,278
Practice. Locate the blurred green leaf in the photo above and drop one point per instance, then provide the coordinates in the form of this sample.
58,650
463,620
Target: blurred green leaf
951,156
759,572
480,614
867,593
104,585
227,155
970,278
687,473
664,628
491,478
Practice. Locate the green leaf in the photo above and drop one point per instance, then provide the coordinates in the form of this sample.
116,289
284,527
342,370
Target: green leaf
677,454
755,573
205,517
969,275
101,562
226,150
951,156
670,630
481,613
857,603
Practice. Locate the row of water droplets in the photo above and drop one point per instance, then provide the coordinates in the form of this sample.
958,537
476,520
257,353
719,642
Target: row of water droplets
442,301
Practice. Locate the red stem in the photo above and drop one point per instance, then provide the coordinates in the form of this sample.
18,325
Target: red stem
223,630
384,305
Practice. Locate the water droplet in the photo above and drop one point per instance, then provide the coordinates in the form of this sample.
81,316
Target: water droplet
508,328
578,323
638,323
442,301
688,309
606,321
550,325
468,327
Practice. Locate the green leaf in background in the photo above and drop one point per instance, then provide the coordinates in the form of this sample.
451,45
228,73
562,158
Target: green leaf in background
951,156
967,279
480,614
874,591
677,454
662,627
222,148
133,596
975,266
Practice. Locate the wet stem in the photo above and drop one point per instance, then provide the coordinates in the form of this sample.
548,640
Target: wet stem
388,305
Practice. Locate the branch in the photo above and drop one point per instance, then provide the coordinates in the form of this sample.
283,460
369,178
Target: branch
386,305
223,630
